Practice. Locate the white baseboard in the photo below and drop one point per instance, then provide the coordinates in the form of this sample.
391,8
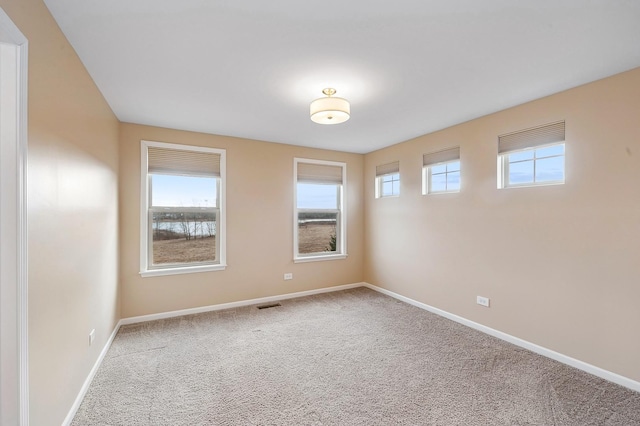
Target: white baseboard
581,365
210,308
85,386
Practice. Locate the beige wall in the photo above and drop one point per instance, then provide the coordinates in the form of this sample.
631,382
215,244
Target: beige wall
73,216
561,264
259,226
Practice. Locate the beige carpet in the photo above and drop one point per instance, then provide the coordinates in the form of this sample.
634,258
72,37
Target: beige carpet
354,357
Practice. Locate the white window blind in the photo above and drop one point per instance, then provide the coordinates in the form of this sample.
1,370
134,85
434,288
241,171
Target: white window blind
387,169
183,163
530,138
319,173
443,156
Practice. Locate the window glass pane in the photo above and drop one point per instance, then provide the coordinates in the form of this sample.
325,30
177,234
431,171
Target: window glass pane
317,232
453,166
389,184
183,191
550,150
519,156
184,237
317,196
438,183
550,169
387,189
520,173
453,181
440,168
395,189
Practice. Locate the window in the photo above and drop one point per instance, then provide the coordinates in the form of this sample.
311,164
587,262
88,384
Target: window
441,171
319,225
182,209
388,180
532,157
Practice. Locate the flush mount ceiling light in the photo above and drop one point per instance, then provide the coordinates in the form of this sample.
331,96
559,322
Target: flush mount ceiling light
330,110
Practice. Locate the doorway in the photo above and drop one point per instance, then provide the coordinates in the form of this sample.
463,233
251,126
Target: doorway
14,393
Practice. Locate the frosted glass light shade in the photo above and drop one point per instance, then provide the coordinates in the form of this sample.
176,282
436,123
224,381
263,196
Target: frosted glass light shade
330,110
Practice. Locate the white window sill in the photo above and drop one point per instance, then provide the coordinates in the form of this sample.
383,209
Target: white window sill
441,192
319,258
533,185
182,270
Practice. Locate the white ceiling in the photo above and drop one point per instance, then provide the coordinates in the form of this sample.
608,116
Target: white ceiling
250,68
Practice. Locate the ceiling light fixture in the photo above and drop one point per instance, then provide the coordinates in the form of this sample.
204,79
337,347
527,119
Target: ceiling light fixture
330,110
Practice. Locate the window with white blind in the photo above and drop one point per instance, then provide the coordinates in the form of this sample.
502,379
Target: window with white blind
388,180
532,157
182,209
441,171
319,210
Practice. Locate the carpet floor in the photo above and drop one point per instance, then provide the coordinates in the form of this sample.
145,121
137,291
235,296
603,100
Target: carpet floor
353,357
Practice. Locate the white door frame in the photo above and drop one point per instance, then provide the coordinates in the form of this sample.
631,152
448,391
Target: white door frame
14,360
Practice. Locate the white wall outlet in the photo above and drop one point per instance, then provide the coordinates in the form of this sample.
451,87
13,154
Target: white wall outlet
288,276
484,301
92,336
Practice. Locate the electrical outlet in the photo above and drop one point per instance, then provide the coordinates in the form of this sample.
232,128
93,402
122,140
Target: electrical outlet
484,301
92,336
288,276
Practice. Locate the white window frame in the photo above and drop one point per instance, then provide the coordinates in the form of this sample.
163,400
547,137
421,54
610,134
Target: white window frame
146,235
380,181
341,223
427,174
382,171
443,157
504,163
530,140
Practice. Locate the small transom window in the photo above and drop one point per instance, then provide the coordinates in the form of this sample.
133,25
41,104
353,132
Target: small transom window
441,171
388,180
532,157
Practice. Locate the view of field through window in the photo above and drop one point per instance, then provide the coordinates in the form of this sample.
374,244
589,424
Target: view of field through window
184,237
316,232
184,219
317,217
